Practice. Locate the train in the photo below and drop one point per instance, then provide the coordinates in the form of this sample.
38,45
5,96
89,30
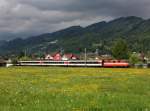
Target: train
77,63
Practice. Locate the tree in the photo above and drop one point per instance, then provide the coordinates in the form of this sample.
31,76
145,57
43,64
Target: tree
25,58
21,54
134,59
120,49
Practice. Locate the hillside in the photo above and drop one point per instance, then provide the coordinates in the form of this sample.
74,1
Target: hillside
135,30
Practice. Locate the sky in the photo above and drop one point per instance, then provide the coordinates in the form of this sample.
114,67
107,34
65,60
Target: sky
24,18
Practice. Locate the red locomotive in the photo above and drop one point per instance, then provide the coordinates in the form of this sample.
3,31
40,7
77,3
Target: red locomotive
115,63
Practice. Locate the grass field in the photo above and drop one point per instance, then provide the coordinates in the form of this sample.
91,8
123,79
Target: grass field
74,89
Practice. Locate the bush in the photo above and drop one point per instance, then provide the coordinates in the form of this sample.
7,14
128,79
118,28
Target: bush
14,61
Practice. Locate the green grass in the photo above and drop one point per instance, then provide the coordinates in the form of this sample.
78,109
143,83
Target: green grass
74,89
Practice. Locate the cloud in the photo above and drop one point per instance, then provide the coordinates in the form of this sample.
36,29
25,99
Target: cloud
23,18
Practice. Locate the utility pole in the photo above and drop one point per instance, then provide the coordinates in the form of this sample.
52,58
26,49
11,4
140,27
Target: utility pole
25,53
85,56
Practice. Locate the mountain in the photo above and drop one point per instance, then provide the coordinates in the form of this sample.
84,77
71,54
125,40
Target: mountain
135,30
2,42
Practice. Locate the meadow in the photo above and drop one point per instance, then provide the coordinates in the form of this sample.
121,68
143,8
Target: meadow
74,89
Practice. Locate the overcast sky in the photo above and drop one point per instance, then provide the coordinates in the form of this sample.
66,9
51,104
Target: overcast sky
23,18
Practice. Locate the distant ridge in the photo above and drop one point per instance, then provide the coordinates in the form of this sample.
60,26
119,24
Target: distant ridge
135,30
